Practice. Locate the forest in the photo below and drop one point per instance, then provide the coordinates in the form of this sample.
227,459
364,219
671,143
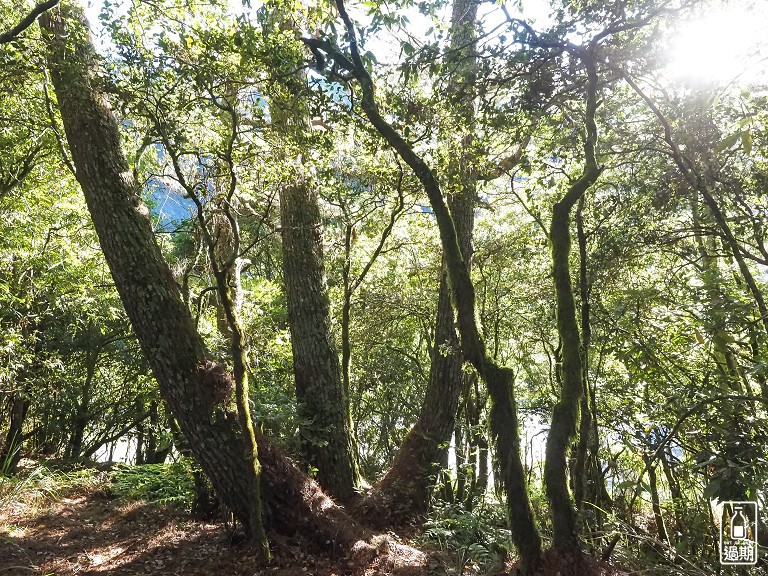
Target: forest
364,288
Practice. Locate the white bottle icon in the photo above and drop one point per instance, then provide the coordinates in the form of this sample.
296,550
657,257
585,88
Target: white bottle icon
738,525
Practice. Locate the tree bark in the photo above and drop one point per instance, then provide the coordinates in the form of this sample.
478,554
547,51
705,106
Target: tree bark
503,414
585,425
325,432
189,381
11,453
404,492
565,415
222,238
325,426
255,526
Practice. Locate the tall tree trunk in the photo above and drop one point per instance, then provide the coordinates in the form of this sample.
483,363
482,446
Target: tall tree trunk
190,382
585,425
503,413
326,438
565,415
11,452
222,239
403,494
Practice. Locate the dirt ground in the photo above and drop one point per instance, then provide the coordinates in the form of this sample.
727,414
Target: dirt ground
87,532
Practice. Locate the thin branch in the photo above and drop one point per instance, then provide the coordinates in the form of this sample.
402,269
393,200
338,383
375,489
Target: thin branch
98,443
55,128
508,163
385,234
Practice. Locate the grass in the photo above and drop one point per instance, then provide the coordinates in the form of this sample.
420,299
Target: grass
41,484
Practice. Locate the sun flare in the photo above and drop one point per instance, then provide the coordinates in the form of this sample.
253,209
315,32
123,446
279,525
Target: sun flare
724,45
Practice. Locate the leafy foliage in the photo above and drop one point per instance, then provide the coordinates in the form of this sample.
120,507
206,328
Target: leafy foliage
676,377
477,539
160,483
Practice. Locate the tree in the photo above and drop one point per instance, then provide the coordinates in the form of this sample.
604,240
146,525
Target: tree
498,380
651,366
566,412
405,490
193,385
323,402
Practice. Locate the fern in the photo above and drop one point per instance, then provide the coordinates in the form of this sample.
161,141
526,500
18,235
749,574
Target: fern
160,483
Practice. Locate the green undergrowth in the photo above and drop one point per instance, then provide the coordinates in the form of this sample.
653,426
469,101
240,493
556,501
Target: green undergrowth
160,483
477,540
41,484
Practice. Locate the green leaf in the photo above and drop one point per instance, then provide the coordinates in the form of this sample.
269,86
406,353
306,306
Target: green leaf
746,142
728,142
371,57
713,488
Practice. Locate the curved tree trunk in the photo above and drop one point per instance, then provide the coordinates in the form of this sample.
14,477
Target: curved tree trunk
565,415
403,494
503,414
404,491
189,381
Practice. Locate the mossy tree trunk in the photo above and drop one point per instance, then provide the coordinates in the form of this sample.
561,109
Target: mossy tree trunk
404,492
499,380
585,424
220,235
189,381
242,397
565,415
224,245
653,483
325,426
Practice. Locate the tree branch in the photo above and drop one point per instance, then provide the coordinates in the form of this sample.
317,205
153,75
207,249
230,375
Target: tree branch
98,443
27,21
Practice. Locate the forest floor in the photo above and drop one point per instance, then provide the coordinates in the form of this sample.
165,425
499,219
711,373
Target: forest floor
86,531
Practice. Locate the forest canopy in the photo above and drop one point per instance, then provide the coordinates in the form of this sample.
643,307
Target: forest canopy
488,274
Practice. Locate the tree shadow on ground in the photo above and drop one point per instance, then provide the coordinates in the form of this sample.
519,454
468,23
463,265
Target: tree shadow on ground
89,533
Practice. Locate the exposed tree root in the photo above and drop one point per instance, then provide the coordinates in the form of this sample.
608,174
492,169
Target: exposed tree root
402,494
296,504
